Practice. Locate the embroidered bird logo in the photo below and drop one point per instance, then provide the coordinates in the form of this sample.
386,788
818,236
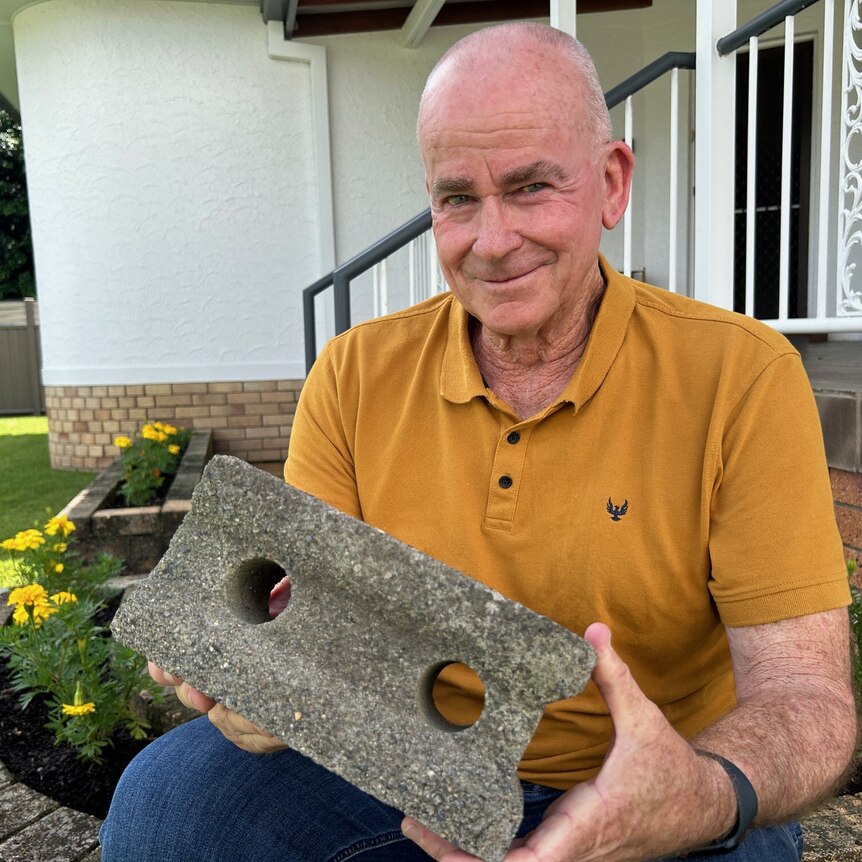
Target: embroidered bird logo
616,512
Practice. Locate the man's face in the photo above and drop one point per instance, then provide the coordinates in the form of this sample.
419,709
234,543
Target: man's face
518,195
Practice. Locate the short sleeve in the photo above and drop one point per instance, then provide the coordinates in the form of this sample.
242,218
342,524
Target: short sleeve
774,546
320,460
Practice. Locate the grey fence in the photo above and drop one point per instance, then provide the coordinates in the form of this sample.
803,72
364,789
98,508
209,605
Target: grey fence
20,388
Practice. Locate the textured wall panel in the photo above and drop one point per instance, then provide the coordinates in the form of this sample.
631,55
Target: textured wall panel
172,190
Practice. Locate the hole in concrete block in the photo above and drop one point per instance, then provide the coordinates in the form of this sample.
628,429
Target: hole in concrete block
451,695
249,587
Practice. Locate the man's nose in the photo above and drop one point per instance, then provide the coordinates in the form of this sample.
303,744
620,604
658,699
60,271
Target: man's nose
497,232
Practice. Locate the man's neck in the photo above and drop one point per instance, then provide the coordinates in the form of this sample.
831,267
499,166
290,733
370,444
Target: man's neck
530,373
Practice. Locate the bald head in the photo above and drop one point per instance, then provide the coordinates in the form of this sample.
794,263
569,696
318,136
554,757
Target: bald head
528,55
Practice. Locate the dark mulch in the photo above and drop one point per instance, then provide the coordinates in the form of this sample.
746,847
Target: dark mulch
29,753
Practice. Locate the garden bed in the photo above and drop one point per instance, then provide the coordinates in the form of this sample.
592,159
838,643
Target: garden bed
138,535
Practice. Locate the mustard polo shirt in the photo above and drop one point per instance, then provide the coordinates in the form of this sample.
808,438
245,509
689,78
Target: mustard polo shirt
678,485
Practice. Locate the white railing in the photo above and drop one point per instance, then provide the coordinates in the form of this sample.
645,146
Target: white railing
833,306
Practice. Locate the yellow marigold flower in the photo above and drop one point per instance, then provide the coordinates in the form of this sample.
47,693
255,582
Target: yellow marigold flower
170,430
60,524
148,432
58,568
41,612
64,598
28,540
59,547
20,616
9,544
174,449
79,709
31,594
122,442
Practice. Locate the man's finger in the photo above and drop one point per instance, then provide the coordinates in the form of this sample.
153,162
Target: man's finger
435,846
193,698
621,693
162,677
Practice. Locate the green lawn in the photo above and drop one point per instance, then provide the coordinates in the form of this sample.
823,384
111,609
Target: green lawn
30,491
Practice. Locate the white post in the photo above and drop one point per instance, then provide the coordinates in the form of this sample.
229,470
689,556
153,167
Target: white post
751,189
825,162
714,155
786,144
627,217
563,14
674,172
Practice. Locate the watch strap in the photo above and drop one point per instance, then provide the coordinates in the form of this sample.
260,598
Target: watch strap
746,805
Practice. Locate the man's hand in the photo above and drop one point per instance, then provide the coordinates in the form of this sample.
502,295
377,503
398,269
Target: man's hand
237,729
654,796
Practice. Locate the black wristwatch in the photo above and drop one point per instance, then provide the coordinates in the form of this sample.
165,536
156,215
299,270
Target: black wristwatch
746,805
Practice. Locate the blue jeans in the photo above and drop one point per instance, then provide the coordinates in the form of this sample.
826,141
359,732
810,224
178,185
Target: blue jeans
192,796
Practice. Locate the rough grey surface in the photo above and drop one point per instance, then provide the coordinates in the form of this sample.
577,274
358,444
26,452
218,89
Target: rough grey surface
63,835
19,805
833,833
344,674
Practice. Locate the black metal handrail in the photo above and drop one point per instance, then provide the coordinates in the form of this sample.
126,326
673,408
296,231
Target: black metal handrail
671,60
341,277
758,25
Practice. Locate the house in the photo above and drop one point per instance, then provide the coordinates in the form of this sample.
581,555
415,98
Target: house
192,166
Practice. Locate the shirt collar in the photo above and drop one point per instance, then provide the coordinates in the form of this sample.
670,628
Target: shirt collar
461,380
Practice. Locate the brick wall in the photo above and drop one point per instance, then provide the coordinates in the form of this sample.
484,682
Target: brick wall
847,493
251,420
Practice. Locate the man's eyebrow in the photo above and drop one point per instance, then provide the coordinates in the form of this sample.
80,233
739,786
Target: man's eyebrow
541,169
451,185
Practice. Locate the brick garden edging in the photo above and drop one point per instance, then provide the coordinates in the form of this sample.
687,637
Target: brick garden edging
139,536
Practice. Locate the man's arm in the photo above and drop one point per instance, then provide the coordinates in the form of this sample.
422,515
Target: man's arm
794,729
792,733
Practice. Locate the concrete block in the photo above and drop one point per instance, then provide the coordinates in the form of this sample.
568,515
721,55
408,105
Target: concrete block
344,674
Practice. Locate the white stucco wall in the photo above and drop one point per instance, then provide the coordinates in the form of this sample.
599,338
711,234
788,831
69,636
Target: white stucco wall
172,191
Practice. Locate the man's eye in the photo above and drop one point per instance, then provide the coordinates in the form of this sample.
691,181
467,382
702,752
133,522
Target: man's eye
535,187
456,200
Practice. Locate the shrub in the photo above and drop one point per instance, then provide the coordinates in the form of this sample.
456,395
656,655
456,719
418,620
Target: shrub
56,646
154,454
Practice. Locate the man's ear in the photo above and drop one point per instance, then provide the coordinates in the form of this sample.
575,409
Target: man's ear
619,165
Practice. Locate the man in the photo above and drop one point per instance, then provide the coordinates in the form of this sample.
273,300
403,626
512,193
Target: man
610,455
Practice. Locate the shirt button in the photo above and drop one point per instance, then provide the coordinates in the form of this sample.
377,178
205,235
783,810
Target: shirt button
505,481
514,437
